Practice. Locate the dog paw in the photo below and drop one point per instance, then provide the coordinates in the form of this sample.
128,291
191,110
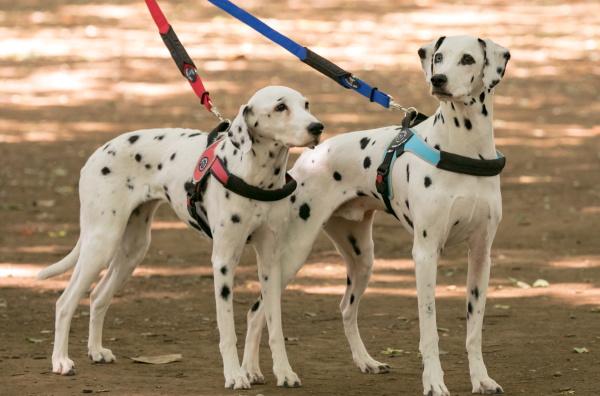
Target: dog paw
64,366
486,386
433,383
254,376
287,378
237,382
373,367
439,390
101,355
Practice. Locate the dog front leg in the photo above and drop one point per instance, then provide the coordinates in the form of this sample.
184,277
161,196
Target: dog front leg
225,258
477,286
268,253
426,255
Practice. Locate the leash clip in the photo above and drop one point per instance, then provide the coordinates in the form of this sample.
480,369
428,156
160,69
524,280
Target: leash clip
397,106
215,111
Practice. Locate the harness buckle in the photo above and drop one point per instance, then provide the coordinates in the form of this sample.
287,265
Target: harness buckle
381,182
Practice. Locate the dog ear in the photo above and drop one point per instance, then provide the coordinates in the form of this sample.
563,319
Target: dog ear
426,55
496,58
238,132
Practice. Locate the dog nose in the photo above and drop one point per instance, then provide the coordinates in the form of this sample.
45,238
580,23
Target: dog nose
315,128
438,80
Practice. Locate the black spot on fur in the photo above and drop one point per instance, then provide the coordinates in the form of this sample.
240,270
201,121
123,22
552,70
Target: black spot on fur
271,154
351,298
277,170
456,122
255,124
480,156
266,278
168,197
367,163
194,134
304,211
482,97
270,186
499,70
133,139
407,173
407,205
337,176
159,166
227,194
138,157
456,223
361,194
484,111
452,105
475,293
410,223
225,292
437,147
293,198
422,53
427,181
105,171
224,270
468,124
235,218
148,166
363,142
439,43
348,282
470,308
173,156
424,233
256,305
159,137
352,241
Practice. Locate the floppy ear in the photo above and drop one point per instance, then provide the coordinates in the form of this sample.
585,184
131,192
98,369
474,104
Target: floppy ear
496,58
238,132
426,54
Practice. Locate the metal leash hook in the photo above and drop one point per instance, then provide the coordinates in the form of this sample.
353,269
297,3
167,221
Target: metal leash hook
396,106
215,111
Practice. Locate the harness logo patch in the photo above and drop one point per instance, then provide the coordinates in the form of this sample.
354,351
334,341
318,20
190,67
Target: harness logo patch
203,164
351,82
401,138
190,74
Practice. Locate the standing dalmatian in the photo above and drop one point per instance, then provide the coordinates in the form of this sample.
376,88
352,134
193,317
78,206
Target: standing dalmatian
438,207
123,183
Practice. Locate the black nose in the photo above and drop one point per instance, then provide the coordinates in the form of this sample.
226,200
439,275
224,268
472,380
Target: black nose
438,80
315,128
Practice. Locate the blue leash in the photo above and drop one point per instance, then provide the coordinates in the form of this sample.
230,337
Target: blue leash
317,62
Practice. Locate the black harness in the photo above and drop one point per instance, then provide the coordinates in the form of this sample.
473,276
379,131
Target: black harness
407,140
210,163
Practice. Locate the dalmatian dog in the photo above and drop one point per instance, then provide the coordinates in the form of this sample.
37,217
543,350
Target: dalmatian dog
124,182
439,208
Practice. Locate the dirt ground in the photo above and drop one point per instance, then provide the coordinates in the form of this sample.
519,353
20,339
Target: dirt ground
74,74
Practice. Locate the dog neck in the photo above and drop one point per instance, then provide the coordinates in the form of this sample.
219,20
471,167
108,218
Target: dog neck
264,166
464,128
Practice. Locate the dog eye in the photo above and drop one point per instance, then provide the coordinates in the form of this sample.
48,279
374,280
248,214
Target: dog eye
281,107
467,60
438,58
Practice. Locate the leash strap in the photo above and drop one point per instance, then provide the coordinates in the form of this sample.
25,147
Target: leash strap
312,59
407,140
180,56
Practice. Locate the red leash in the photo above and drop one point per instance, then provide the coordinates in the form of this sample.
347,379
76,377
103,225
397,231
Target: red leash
180,56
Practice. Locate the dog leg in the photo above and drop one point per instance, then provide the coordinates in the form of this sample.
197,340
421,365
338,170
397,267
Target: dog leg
132,249
96,252
426,254
477,287
267,250
355,243
293,257
227,250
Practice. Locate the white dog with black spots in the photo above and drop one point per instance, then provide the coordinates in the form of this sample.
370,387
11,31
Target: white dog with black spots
123,183
439,208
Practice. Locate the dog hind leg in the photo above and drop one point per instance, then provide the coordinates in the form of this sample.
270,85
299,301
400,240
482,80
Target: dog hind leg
97,250
355,243
132,249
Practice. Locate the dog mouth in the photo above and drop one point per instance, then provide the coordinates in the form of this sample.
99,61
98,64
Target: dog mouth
441,94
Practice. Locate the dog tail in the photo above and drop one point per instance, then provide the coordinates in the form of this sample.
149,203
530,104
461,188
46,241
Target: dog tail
62,266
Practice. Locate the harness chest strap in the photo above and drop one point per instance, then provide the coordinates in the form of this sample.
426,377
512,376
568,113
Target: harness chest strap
407,140
210,163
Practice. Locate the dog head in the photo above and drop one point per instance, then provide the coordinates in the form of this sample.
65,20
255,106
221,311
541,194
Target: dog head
456,67
277,113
